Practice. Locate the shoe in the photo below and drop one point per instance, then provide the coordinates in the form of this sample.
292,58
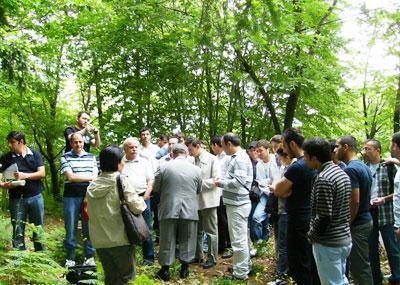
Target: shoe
69,263
147,262
233,277
163,273
253,252
209,264
89,262
227,253
184,270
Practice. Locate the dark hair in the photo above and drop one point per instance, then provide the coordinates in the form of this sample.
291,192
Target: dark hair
232,138
263,143
319,148
333,145
216,140
375,142
350,141
163,137
281,152
189,140
16,135
196,142
396,138
276,138
110,157
292,134
81,113
145,129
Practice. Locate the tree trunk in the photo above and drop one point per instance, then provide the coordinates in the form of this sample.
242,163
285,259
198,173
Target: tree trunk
396,117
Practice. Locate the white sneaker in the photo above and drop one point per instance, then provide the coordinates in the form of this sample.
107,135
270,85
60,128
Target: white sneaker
253,252
89,262
69,263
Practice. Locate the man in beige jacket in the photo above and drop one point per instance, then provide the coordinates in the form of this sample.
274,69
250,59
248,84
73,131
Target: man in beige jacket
208,201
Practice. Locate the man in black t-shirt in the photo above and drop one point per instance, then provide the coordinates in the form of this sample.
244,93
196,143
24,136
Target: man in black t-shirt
89,133
25,201
296,187
360,216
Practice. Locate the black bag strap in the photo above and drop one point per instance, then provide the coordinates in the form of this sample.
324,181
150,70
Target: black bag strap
120,191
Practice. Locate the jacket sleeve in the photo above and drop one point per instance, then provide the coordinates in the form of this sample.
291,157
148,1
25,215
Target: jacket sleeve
135,202
215,172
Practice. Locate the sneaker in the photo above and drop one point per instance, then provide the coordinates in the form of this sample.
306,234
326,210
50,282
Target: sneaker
227,253
69,263
253,252
89,262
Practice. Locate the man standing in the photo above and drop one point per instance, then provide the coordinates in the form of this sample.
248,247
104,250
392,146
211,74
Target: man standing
224,243
79,168
208,201
25,201
178,183
395,152
330,213
382,213
236,186
360,216
147,149
85,129
296,186
140,175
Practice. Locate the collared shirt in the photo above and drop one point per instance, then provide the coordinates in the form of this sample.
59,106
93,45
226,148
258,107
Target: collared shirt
223,162
27,164
84,164
150,153
238,179
139,172
382,183
396,200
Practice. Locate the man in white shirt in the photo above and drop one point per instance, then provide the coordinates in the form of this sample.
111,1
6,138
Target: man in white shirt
395,152
141,176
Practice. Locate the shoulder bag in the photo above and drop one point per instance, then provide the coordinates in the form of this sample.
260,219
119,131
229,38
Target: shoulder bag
135,225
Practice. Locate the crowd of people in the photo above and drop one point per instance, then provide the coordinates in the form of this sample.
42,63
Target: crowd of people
326,207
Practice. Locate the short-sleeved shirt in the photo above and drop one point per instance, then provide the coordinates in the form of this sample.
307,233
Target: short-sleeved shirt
299,202
27,164
84,164
87,139
361,178
138,171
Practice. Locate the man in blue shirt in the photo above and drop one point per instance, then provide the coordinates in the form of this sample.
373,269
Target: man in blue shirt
360,216
296,187
27,200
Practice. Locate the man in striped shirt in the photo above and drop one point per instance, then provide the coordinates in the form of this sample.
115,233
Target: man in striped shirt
79,168
330,213
236,185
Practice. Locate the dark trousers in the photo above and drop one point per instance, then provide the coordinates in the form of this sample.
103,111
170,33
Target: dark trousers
118,264
223,233
302,266
154,200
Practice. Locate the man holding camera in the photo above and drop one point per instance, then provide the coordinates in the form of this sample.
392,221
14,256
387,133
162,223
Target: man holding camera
90,134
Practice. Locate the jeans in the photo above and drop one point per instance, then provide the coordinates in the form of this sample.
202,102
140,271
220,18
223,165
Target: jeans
331,263
21,209
282,265
148,246
118,264
73,208
392,246
360,268
259,225
237,224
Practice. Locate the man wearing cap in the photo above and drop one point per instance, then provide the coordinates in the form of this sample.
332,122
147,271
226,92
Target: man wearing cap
178,182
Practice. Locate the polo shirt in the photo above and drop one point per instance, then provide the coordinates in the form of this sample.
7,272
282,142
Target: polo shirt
27,164
84,164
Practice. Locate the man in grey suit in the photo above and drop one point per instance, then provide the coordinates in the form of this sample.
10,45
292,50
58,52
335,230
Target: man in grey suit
178,183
